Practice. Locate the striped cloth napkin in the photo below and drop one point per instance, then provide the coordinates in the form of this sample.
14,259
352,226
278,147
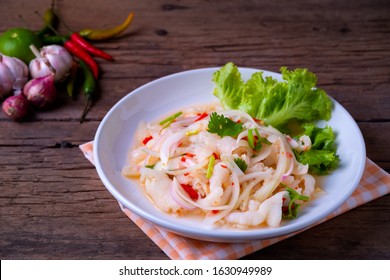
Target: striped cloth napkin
374,184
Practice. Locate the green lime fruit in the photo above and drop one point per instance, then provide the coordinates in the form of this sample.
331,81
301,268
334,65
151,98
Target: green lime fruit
16,42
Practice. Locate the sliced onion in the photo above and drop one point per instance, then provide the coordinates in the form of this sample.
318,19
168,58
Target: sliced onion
265,152
300,168
231,205
267,189
234,113
185,170
150,152
184,122
285,175
242,135
169,142
158,142
255,175
229,161
177,198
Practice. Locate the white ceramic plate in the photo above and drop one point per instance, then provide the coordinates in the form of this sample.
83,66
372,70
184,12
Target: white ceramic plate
114,138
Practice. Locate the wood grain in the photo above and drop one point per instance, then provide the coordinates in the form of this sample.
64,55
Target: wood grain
54,206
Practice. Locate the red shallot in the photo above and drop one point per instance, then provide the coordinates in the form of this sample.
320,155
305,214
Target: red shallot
15,107
41,92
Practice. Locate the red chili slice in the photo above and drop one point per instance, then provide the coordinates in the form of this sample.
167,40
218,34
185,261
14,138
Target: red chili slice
201,116
190,190
147,139
190,155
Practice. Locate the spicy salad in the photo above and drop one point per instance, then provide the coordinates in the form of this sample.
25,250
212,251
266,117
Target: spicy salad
239,162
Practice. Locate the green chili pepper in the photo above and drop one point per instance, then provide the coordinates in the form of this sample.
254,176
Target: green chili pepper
167,122
210,167
105,34
50,20
88,88
72,78
54,40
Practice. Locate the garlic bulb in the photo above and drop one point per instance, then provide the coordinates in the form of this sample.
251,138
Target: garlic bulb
13,75
51,59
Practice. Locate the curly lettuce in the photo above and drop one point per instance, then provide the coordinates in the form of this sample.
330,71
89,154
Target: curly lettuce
278,103
321,157
275,103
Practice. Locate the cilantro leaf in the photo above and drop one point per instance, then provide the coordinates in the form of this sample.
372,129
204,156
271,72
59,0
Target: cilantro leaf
291,211
223,126
241,164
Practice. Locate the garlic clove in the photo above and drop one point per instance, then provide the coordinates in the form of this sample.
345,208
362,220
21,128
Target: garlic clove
38,68
19,72
6,80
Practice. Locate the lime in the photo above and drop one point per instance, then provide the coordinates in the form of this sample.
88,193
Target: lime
16,42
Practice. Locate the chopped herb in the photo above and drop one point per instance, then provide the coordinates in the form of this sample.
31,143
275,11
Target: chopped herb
261,139
241,164
151,166
255,141
192,132
223,126
210,167
170,119
291,211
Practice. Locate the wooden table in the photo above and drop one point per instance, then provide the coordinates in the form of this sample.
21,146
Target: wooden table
53,204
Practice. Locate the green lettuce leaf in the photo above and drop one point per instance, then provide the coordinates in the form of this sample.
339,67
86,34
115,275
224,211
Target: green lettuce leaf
321,157
275,103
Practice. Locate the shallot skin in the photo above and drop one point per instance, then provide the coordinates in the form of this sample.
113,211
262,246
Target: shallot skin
16,107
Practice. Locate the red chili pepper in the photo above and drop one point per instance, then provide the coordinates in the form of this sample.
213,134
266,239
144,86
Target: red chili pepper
190,155
215,211
201,116
147,139
190,190
75,37
77,51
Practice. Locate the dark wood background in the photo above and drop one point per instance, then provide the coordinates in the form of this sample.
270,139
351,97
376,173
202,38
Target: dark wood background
52,203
